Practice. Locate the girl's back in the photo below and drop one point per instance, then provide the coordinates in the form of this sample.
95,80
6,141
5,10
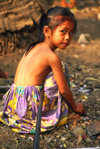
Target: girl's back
34,67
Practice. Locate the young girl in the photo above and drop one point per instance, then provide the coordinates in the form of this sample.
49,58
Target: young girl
39,67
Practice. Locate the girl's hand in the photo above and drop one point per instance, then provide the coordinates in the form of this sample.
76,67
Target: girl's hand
79,108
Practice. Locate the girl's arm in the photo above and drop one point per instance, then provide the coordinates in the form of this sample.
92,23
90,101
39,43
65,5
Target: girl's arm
56,66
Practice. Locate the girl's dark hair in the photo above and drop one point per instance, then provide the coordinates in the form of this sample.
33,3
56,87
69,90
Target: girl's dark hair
52,19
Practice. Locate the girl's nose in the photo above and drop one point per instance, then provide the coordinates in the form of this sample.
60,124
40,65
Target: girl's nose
67,36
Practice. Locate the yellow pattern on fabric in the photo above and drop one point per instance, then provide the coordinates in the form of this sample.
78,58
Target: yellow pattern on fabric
53,105
1,118
29,103
17,130
15,117
62,121
28,115
11,121
46,123
49,83
8,111
64,106
13,103
34,99
46,102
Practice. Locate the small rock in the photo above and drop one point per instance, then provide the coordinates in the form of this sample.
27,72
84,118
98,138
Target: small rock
81,84
98,118
78,131
3,82
63,138
49,140
98,16
1,108
98,112
98,99
88,140
82,45
67,135
1,102
93,129
84,39
98,137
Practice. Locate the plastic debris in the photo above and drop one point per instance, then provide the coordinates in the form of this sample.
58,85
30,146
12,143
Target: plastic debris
84,90
31,138
66,126
64,145
23,136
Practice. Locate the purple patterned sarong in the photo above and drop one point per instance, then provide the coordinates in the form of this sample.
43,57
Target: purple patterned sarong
21,106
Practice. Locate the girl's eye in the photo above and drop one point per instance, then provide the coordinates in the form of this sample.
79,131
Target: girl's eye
71,33
63,31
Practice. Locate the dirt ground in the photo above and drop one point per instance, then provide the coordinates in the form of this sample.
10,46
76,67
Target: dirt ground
76,56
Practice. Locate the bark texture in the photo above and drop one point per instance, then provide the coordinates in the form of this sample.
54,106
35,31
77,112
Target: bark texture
19,21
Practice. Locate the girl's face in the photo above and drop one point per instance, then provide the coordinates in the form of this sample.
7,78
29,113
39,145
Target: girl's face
61,36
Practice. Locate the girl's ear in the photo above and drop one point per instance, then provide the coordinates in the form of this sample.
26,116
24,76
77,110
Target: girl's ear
46,31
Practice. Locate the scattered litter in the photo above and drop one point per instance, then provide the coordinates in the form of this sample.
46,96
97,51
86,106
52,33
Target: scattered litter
66,126
75,55
84,136
48,139
84,90
64,145
79,139
90,78
23,136
63,138
86,119
31,138
61,145
84,97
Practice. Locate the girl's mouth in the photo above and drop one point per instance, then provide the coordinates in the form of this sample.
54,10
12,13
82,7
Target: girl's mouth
65,44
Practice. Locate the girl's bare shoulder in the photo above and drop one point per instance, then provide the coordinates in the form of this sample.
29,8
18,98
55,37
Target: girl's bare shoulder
45,51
